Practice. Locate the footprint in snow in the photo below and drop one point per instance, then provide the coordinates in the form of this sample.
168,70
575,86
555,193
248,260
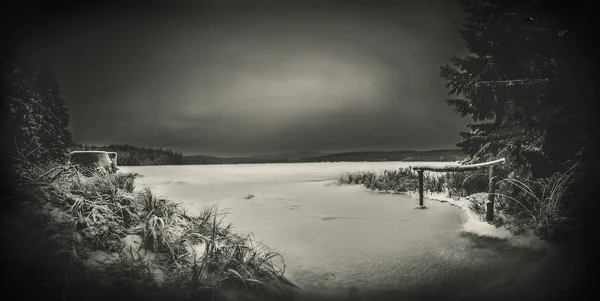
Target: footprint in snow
289,205
332,217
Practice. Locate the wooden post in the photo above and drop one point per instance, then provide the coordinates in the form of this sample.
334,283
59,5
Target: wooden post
448,184
491,194
420,171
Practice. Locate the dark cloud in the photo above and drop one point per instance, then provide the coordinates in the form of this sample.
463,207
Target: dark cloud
229,79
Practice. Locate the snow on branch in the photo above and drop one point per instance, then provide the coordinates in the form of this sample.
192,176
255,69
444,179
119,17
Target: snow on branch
511,82
455,167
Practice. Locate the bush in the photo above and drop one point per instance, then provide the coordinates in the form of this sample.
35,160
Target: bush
541,204
434,182
404,179
401,180
467,183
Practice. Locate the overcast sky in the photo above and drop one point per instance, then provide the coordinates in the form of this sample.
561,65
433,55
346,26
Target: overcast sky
234,80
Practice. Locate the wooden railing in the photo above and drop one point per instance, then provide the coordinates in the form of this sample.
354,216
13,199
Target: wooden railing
460,168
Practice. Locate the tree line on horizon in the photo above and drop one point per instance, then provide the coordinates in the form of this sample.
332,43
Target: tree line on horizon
136,156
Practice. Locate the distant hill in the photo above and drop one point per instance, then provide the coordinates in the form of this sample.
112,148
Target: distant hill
433,155
200,159
290,155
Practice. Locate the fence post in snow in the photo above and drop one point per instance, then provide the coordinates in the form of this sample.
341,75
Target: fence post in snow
447,175
420,171
491,194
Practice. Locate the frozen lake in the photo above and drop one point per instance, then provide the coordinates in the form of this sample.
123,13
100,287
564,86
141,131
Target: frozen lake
345,239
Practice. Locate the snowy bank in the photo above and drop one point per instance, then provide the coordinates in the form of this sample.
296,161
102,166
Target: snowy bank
477,226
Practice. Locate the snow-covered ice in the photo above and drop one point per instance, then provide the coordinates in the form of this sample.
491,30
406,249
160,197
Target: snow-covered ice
343,237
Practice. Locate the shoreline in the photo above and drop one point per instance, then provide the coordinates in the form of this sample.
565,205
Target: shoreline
476,226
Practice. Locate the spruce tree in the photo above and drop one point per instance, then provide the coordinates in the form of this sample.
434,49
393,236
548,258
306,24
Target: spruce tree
58,135
26,118
516,85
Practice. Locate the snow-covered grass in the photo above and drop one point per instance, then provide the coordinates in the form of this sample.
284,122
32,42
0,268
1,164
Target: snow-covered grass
405,179
137,239
543,203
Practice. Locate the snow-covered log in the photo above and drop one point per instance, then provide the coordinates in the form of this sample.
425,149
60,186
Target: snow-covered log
89,161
